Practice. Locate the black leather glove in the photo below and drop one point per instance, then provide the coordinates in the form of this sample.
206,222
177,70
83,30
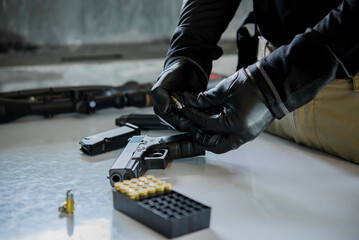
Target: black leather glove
182,75
243,113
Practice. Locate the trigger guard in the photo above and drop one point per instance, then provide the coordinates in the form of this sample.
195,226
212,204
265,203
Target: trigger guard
159,154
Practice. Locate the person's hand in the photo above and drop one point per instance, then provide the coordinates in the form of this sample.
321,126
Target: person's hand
226,116
181,75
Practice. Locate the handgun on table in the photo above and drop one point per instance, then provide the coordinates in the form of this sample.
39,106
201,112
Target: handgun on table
143,153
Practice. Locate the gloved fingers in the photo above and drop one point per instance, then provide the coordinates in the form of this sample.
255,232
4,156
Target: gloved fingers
206,119
161,99
206,99
213,97
214,142
173,119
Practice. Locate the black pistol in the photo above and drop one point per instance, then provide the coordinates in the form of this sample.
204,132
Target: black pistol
143,153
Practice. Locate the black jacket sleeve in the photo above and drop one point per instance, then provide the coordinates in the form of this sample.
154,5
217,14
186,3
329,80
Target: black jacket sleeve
200,27
293,74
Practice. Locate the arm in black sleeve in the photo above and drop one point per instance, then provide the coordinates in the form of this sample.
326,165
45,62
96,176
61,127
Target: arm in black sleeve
293,74
200,27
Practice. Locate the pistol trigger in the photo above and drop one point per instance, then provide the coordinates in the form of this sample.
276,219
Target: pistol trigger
159,153
156,155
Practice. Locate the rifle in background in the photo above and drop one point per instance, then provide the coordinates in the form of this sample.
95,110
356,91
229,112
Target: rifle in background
82,99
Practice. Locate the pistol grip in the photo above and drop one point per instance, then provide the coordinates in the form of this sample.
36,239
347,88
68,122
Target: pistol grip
184,149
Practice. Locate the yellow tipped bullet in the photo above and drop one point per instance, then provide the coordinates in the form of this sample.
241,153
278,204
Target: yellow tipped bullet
134,195
168,187
178,105
143,193
127,182
70,202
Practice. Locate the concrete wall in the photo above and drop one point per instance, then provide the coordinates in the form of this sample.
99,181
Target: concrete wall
77,22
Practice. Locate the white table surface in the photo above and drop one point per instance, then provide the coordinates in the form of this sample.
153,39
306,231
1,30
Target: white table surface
269,188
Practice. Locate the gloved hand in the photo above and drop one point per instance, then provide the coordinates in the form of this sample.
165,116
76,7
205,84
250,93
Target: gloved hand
181,75
243,113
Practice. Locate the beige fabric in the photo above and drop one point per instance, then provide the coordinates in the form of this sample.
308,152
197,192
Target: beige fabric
330,122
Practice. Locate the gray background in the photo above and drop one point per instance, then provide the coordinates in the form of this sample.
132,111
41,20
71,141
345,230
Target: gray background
81,22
